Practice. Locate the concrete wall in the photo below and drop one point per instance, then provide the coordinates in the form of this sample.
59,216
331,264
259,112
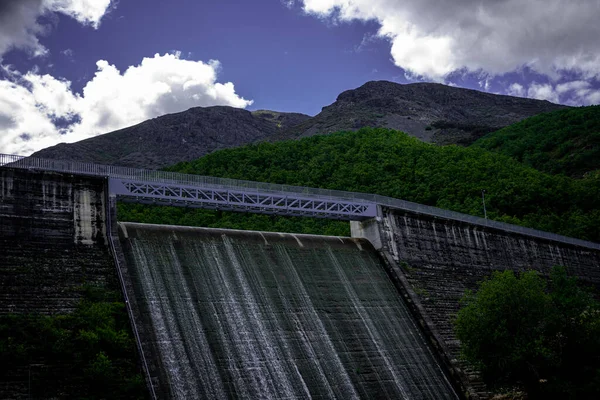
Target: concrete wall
52,242
439,259
47,206
245,314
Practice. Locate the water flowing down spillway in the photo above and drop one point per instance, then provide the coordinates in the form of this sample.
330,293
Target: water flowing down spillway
234,314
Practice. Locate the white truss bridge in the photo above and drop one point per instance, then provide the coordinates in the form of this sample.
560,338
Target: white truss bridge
240,199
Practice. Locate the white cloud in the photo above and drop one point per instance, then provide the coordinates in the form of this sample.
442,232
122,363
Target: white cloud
575,93
111,100
288,3
593,97
22,118
570,86
87,12
20,28
542,91
485,84
433,38
67,53
516,89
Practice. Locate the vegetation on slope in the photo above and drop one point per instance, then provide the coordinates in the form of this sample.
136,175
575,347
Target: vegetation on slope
393,164
93,347
543,338
560,142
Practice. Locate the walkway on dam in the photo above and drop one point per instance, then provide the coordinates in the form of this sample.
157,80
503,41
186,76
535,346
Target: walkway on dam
186,190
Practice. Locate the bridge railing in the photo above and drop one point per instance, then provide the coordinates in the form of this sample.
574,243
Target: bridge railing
77,167
171,177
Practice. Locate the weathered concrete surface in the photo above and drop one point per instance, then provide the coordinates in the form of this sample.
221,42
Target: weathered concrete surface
440,259
234,314
52,242
369,229
53,239
47,206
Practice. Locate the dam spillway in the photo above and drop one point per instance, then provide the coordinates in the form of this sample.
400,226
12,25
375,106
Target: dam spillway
236,314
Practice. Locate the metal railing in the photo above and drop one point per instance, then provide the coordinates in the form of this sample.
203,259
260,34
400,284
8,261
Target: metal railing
83,168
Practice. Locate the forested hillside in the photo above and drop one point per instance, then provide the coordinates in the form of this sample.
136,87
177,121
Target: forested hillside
560,142
393,164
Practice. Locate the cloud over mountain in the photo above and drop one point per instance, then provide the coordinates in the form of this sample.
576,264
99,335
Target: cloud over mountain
37,111
433,38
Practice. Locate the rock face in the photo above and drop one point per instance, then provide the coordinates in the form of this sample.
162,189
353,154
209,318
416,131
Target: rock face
176,137
429,111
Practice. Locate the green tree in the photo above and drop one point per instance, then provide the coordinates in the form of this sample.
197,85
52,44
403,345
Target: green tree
93,344
560,142
522,331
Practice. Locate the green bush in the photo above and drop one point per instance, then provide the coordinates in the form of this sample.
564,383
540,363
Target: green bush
522,332
94,344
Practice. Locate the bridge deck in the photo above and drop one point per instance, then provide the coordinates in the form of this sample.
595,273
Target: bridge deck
171,188
240,199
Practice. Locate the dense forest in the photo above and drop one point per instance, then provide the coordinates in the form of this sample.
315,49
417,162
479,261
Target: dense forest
560,142
393,164
88,354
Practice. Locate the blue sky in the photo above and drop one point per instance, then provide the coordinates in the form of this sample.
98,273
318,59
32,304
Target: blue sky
72,69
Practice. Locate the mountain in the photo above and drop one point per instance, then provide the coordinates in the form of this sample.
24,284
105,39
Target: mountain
172,138
431,112
561,142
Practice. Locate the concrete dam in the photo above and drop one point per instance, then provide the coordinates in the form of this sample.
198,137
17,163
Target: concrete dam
234,314
231,314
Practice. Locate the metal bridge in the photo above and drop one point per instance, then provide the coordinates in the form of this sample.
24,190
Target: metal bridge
171,188
239,199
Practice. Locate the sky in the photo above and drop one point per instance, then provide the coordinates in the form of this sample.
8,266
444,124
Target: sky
73,69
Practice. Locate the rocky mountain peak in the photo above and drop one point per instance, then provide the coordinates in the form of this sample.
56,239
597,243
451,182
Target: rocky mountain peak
431,112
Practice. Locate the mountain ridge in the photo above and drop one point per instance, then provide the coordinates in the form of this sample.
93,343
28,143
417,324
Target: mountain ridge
428,111
171,138
431,112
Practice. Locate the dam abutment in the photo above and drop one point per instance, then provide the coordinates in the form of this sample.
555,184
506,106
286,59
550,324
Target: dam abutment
53,238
